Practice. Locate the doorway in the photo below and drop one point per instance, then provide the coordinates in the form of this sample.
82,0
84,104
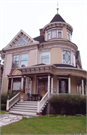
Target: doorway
63,85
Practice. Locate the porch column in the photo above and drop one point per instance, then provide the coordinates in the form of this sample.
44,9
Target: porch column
77,89
52,85
48,85
82,86
11,84
80,89
22,79
69,84
58,85
30,86
86,89
35,84
37,87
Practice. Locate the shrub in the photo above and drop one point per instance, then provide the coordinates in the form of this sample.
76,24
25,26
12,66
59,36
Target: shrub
5,96
3,106
68,104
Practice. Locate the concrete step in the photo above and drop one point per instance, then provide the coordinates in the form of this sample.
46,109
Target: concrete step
24,106
25,110
23,113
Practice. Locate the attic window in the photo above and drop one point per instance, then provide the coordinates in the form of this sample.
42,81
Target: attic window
22,41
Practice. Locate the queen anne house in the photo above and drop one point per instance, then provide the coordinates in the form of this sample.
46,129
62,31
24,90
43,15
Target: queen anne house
41,66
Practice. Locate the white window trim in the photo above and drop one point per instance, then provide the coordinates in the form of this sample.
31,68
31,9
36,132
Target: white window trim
49,56
27,59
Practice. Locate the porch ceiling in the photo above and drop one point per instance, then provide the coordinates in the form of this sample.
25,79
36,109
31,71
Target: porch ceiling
46,69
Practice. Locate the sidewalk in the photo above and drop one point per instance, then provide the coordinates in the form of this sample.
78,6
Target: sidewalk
6,119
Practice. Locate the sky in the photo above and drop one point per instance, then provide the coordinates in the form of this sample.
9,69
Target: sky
31,16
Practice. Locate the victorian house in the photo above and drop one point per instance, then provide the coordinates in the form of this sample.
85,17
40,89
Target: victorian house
44,65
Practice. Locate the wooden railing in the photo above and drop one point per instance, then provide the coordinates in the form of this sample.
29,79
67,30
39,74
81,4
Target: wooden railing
42,103
12,101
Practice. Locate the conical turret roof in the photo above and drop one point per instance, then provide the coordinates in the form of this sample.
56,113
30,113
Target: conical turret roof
57,18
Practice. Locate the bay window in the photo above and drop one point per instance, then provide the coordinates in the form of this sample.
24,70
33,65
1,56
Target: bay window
45,57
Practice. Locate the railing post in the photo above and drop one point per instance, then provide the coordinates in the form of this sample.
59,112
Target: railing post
38,107
7,106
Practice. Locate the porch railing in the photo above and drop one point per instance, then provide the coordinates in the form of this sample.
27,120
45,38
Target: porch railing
12,101
42,103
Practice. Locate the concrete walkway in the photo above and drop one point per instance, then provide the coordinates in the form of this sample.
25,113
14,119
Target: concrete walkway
6,119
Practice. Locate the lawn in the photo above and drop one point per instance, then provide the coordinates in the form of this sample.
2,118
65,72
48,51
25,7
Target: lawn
47,125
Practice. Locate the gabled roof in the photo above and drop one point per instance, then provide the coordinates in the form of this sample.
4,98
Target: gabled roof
21,39
40,38
57,18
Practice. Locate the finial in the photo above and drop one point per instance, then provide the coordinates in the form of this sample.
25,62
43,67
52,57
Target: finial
57,8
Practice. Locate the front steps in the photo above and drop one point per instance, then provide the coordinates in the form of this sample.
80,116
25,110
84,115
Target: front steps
25,108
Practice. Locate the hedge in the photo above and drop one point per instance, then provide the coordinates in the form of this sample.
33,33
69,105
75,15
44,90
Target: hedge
3,106
68,104
5,96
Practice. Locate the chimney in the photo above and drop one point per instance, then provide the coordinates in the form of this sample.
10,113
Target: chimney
41,32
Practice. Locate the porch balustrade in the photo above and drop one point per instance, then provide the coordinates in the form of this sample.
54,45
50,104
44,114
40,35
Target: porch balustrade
12,101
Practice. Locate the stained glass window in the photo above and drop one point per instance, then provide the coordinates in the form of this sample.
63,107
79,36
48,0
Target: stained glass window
66,57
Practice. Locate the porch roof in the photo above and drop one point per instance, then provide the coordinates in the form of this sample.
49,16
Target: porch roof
52,69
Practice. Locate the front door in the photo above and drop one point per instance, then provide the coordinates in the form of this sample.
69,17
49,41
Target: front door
42,87
63,85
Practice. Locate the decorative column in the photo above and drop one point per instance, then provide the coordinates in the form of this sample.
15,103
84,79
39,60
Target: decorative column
82,86
58,85
86,89
49,85
35,81
30,87
22,79
11,84
52,85
77,88
69,84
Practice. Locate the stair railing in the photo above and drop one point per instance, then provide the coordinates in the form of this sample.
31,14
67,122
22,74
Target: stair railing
42,102
12,101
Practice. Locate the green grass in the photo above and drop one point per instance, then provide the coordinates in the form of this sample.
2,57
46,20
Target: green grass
47,125
3,112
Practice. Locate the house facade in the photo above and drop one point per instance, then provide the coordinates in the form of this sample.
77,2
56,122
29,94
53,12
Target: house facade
48,63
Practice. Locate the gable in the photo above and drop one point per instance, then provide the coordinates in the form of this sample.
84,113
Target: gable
21,39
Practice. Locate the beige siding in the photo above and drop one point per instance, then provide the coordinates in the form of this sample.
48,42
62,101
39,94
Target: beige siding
8,64
73,85
32,58
56,56
5,85
64,33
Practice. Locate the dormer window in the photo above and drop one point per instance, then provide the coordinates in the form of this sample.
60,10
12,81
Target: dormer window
54,33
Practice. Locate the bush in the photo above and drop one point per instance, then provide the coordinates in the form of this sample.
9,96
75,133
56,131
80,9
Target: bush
3,106
5,96
68,104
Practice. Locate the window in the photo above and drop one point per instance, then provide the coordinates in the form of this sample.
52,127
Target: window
24,58
66,57
59,34
15,61
16,84
54,34
48,35
45,57
69,35
22,41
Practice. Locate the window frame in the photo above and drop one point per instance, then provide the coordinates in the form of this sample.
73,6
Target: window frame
51,33
70,57
17,61
49,57
23,60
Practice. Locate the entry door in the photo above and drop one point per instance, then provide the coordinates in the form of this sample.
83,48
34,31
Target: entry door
42,87
63,86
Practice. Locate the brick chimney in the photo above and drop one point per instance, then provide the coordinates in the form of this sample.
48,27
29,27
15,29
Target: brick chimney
41,32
